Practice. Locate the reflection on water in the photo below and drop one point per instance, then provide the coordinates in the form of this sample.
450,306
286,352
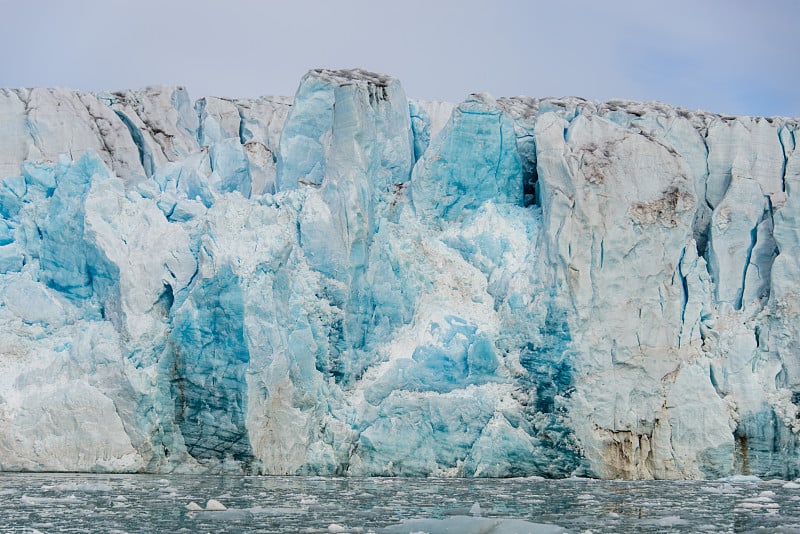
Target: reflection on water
145,503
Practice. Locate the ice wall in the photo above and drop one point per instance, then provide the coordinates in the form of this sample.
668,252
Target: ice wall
350,282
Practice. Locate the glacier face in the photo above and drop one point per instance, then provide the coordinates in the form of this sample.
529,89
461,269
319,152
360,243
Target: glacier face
352,282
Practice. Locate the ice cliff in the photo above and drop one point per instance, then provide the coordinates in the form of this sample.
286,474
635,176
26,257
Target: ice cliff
351,282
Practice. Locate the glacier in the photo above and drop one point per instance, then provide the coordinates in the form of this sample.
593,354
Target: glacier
352,282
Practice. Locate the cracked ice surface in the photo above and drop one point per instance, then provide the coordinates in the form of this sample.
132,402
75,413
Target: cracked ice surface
351,282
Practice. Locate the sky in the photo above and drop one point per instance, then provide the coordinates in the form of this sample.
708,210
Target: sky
737,57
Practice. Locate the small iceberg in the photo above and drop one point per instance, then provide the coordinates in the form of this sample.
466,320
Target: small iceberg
214,505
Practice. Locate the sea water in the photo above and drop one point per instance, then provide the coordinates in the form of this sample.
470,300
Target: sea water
151,503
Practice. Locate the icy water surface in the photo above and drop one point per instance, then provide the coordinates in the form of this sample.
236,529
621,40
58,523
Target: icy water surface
144,503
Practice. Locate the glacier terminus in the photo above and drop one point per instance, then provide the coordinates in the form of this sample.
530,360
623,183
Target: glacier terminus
351,282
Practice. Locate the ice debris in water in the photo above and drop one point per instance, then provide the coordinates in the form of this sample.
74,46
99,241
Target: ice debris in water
742,479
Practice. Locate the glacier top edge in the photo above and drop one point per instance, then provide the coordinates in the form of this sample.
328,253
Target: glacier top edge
518,105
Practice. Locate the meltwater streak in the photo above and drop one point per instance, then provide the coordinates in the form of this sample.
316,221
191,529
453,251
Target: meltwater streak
149,503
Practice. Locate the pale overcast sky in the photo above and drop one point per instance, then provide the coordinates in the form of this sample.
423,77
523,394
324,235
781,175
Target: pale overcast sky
728,56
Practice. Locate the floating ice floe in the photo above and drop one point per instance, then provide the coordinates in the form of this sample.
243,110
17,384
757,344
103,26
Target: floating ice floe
472,525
